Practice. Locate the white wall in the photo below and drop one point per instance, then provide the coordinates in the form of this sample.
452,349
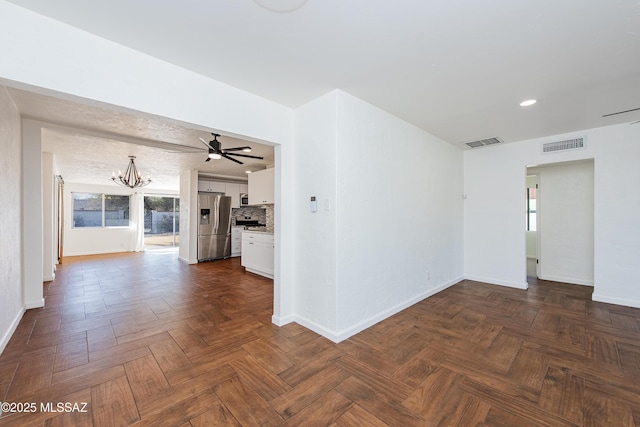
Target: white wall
494,180
188,251
566,222
399,215
32,215
11,294
315,232
48,217
388,228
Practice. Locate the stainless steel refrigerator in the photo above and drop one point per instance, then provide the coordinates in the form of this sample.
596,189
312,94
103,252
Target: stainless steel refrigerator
214,226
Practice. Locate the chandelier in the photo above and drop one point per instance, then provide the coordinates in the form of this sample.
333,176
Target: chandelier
131,178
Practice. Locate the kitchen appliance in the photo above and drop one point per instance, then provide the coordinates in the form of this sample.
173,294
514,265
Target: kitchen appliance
249,221
244,199
214,226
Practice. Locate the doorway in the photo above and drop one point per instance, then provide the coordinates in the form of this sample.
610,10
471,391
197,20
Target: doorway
564,217
161,222
532,225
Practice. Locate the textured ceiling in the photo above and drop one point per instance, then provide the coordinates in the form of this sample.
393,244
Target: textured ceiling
90,143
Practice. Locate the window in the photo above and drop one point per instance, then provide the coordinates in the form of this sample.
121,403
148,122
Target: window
100,210
161,221
531,208
116,211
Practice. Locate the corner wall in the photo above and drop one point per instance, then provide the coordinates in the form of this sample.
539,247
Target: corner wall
494,179
399,215
388,229
11,293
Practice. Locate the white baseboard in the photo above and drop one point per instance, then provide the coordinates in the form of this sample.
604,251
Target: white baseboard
187,261
85,253
39,303
614,300
281,321
517,285
566,280
338,336
49,278
12,328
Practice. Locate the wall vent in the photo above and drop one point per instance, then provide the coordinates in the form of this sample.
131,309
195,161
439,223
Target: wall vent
484,142
569,144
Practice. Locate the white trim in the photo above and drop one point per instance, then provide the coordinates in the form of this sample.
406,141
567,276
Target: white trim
517,285
567,280
34,304
187,261
281,321
85,253
615,300
259,273
49,278
12,328
338,336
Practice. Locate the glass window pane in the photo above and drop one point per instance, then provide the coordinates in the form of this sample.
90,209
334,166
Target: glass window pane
87,210
531,213
161,220
116,211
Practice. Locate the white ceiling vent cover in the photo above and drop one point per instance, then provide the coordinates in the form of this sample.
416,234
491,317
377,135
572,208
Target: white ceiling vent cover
569,144
484,142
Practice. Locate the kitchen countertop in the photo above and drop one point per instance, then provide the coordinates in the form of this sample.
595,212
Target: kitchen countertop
258,231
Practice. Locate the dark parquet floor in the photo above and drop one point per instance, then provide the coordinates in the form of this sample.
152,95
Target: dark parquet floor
144,339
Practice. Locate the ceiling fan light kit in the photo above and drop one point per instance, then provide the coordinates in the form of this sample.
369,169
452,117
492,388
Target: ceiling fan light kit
214,147
131,177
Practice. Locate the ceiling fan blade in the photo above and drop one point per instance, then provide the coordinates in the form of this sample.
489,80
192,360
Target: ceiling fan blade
245,155
208,159
621,112
237,148
196,150
231,158
633,123
206,144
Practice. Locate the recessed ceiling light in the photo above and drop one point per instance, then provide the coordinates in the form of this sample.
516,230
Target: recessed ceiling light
281,6
247,150
528,102
247,171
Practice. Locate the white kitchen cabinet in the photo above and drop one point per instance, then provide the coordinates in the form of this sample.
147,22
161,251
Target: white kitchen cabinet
261,185
257,253
211,186
233,190
236,240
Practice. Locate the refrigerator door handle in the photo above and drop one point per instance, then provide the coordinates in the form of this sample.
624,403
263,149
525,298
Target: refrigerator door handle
216,210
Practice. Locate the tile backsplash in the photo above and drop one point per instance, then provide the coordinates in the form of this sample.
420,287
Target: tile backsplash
263,213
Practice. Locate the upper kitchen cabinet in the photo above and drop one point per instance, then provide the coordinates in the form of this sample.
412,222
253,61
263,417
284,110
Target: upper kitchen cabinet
211,186
233,190
261,185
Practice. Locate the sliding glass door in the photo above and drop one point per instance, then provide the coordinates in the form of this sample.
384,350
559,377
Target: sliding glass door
161,221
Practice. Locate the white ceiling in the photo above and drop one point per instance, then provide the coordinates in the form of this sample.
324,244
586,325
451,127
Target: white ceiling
457,69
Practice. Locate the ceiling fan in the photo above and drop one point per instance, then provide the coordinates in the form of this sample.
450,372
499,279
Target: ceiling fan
216,151
622,112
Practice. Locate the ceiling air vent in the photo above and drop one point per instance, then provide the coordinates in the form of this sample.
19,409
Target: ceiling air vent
569,144
484,142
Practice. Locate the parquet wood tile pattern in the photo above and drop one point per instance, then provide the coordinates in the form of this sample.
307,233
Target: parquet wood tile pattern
144,339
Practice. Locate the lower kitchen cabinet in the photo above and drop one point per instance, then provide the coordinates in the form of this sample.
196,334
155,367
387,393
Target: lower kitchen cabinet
257,253
236,240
